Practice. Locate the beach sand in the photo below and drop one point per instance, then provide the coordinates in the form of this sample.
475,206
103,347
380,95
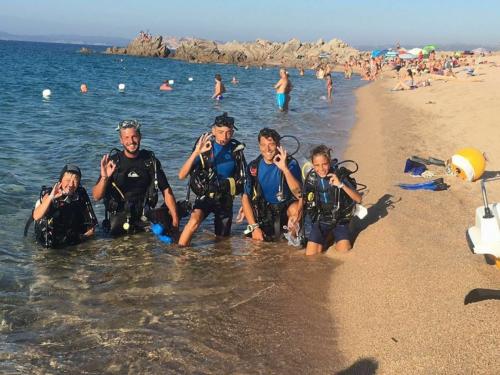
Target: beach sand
398,297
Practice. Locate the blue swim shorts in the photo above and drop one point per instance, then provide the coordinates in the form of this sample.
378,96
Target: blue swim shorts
280,100
320,232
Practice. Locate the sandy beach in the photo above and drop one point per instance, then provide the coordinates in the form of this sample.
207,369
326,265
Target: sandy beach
398,296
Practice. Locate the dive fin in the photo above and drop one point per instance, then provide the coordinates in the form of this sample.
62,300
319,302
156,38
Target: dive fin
437,162
479,294
435,185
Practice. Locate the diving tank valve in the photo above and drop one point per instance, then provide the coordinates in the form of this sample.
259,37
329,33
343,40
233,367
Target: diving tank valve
126,225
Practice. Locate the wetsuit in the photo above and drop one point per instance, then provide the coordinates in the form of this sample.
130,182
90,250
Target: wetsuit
270,195
216,181
329,207
135,179
66,221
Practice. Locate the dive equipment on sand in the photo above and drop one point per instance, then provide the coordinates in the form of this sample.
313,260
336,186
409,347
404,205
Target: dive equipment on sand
435,185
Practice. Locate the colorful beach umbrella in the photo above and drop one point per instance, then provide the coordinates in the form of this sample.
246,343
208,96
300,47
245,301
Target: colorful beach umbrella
391,54
429,48
415,51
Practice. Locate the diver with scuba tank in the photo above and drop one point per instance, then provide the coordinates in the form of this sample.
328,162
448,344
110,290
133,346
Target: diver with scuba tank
330,197
216,169
129,183
272,198
63,215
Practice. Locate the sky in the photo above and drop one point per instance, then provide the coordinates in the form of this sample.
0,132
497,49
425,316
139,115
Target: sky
357,22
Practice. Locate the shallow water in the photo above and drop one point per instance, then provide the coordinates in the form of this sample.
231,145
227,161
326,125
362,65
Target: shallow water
134,304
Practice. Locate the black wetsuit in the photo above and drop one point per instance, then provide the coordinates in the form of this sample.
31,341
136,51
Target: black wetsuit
66,220
135,179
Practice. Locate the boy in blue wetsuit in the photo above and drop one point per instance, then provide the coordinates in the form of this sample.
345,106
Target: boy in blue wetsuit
217,174
272,195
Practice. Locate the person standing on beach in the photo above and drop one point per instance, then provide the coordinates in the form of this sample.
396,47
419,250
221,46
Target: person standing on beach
217,174
219,88
329,86
281,90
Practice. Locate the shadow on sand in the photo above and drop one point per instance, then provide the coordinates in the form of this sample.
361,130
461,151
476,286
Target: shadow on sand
364,366
376,212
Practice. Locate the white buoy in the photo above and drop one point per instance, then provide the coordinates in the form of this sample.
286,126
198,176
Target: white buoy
46,93
171,81
121,87
190,79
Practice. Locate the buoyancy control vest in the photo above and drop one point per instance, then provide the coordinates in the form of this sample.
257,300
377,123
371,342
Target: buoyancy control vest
116,201
326,203
67,219
204,181
267,214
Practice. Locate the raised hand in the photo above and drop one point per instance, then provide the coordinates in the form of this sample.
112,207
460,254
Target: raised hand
57,191
203,144
334,180
107,166
280,158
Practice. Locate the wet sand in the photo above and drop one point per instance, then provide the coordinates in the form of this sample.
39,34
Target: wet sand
398,296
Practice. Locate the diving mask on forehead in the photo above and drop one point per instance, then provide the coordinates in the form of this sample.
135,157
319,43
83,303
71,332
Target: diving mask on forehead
127,124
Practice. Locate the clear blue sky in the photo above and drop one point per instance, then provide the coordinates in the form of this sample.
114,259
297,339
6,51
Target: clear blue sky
358,22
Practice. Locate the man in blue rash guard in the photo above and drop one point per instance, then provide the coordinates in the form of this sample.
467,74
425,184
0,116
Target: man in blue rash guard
272,195
217,174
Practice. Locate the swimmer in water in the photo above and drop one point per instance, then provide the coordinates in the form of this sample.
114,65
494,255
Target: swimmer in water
234,81
281,90
219,88
165,86
84,88
329,86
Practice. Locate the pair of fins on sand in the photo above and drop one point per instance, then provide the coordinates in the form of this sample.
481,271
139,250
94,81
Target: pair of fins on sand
416,166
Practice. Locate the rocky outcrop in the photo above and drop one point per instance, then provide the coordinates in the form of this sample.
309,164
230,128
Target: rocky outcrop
141,46
293,53
264,52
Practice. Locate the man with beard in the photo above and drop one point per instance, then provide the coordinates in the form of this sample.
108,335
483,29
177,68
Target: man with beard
129,183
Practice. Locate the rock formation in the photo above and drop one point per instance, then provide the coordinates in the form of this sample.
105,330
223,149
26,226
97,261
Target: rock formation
142,46
263,52
293,53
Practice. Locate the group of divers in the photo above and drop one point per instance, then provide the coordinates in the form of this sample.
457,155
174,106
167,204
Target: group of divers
276,194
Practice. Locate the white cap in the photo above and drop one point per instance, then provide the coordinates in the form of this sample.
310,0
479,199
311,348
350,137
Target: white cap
46,93
190,78
171,81
121,87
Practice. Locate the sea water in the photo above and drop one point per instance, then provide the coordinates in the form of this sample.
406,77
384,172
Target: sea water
134,304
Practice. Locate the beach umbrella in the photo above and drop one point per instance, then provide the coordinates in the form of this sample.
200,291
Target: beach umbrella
415,51
376,53
478,51
407,56
429,48
391,54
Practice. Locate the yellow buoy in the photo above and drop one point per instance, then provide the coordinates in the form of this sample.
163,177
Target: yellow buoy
468,164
